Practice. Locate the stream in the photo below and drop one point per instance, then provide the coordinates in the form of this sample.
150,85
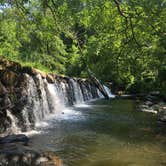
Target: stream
104,133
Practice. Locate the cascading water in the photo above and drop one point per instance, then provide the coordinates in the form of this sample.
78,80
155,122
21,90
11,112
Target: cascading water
32,107
77,92
55,103
108,92
42,84
45,99
14,128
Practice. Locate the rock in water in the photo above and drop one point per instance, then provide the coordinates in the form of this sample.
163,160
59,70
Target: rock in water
162,114
13,152
14,138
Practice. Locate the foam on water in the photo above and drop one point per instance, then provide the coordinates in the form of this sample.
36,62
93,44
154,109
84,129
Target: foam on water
83,105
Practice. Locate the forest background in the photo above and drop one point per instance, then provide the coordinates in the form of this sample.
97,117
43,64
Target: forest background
122,42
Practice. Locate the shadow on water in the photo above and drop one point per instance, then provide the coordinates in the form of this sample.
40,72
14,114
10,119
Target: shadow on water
106,133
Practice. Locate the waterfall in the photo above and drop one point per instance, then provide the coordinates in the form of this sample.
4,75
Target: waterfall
44,100
108,92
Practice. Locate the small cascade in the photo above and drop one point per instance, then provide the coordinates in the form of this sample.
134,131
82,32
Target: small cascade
14,121
77,92
61,89
55,103
108,92
41,85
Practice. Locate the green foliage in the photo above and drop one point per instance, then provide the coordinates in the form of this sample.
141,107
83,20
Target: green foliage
123,43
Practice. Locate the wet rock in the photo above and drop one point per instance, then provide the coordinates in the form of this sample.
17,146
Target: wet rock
33,72
6,64
5,122
5,102
36,72
50,78
9,78
150,110
148,103
3,90
14,138
14,152
162,114
28,70
144,106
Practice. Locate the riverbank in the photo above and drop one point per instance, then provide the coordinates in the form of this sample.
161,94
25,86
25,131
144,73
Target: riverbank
152,102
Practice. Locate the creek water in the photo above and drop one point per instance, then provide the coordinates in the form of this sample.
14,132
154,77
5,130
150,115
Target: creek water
105,133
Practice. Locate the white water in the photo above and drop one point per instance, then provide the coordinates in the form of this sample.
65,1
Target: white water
77,92
14,128
47,101
55,102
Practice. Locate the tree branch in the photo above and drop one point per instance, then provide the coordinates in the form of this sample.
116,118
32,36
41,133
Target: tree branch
117,3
